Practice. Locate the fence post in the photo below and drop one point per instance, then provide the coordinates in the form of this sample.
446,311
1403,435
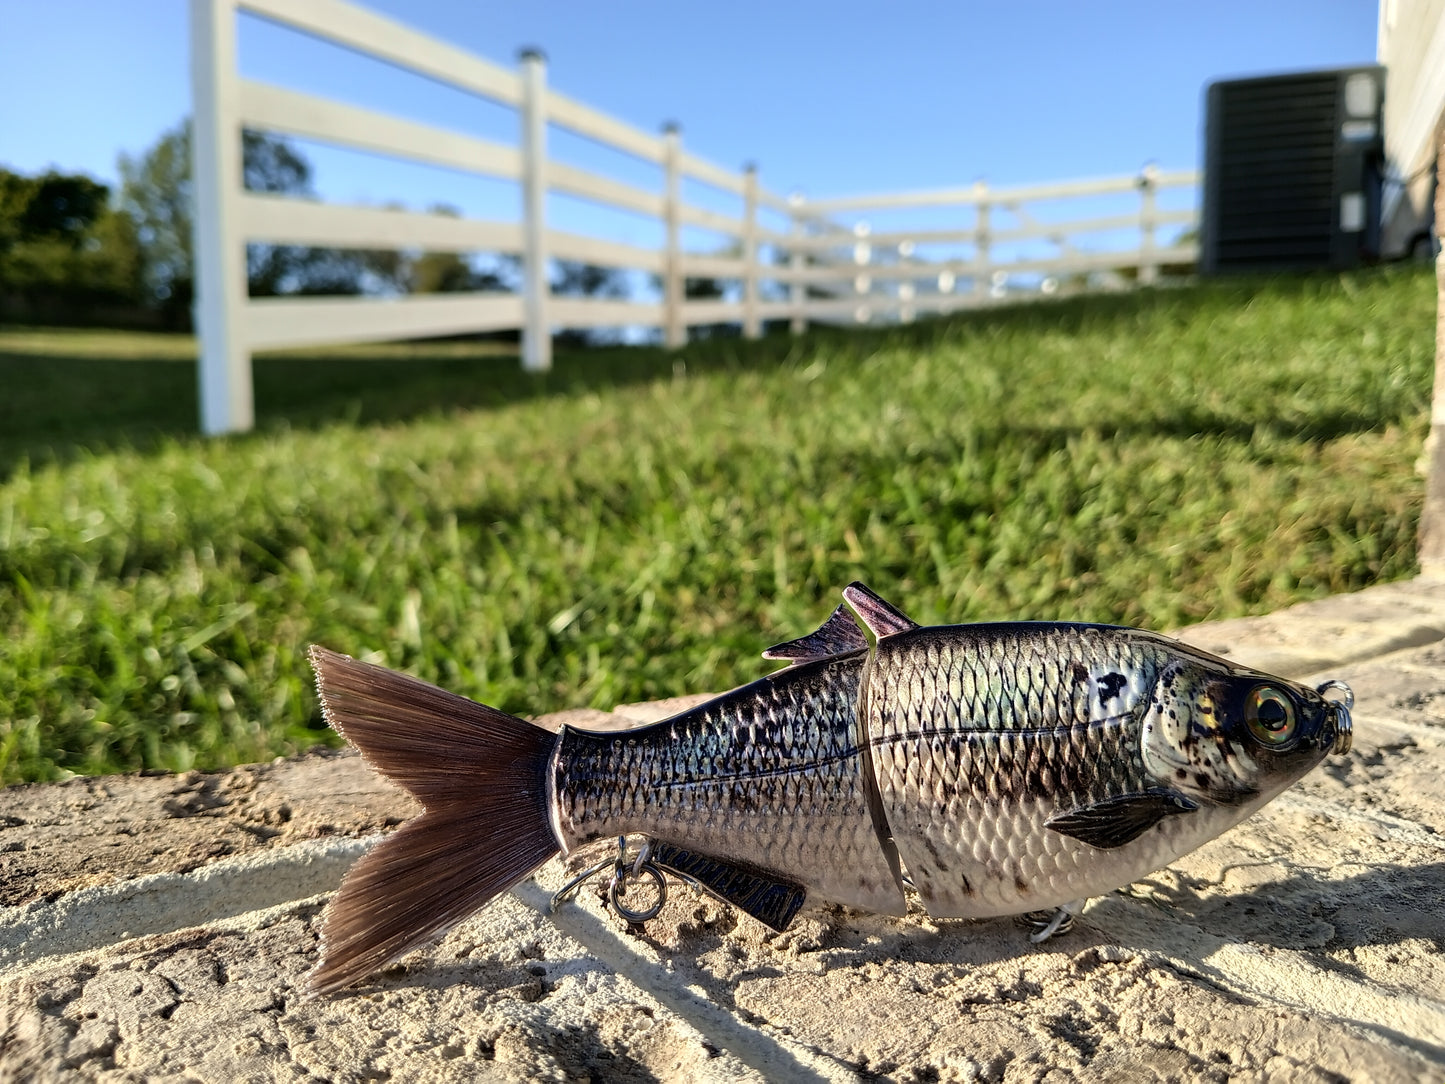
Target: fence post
536,332
981,283
906,287
752,328
1148,188
224,360
798,322
674,331
862,281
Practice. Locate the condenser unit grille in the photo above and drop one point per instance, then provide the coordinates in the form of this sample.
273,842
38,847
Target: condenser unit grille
1272,172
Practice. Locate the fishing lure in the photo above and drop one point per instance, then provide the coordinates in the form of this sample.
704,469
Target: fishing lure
998,769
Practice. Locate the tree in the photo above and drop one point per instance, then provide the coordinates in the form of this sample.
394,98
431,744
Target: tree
708,289
273,165
63,249
156,194
573,278
446,272
54,206
440,273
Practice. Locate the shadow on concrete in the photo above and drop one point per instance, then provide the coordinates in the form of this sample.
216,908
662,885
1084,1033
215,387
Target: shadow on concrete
1308,911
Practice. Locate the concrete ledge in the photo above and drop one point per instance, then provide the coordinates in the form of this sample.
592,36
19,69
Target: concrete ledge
159,927
1331,632
160,903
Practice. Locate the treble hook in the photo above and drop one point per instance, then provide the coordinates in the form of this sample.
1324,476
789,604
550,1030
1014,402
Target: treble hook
617,885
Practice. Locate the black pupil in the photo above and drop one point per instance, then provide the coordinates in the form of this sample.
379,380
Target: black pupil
1272,714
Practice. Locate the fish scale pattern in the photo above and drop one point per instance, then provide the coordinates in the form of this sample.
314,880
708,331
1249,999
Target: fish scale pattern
979,734
772,775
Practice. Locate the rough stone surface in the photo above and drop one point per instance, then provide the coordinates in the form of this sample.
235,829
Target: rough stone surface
158,928
55,838
99,831
1329,632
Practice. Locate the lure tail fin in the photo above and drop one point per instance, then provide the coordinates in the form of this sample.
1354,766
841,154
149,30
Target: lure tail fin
479,773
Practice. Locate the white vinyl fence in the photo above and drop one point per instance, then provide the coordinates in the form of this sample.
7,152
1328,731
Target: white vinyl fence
792,258
1002,250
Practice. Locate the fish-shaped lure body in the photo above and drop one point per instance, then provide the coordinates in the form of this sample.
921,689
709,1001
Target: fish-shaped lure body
1004,768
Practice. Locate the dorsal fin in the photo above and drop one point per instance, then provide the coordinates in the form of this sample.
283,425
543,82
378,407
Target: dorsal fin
836,636
882,617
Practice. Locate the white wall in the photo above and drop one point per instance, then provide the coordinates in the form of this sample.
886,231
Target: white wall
1411,45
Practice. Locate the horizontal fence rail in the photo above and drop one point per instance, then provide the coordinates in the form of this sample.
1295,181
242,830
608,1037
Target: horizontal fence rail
809,261
866,275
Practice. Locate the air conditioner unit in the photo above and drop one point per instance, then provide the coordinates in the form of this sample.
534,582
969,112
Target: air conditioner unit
1292,168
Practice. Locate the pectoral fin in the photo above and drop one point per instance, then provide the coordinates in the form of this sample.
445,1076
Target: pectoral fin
770,900
1117,821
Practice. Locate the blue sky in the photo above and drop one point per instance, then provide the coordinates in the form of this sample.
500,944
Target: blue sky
828,98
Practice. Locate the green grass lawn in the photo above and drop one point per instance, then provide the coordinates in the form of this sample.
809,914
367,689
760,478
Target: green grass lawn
638,524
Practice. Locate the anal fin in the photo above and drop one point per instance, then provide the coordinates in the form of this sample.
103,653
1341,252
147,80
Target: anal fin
1122,819
836,636
769,899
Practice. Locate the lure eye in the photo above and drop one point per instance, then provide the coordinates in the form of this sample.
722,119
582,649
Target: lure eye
1270,715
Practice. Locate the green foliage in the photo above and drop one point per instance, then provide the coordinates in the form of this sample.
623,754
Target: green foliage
155,193
60,242
101,265
54,206
638,524
443,272
573,278
64,249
